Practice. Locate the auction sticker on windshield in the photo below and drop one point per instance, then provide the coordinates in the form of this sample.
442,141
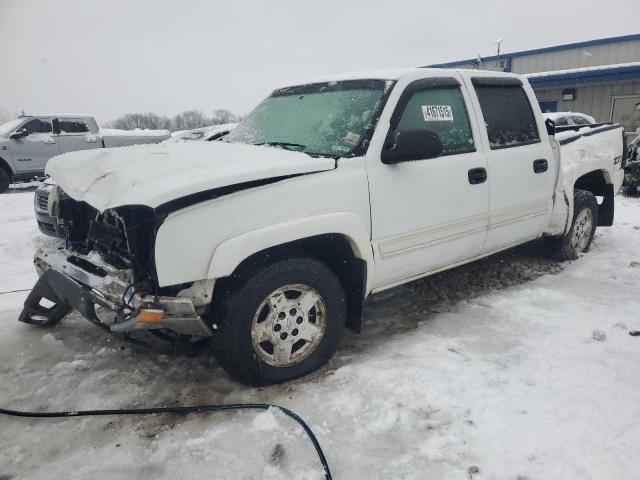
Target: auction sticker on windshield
437,113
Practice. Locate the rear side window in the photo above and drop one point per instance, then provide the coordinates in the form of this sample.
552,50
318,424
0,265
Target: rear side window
69,125
508,116
443,111
38,126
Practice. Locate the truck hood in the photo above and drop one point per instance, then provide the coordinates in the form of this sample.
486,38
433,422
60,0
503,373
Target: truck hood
152,175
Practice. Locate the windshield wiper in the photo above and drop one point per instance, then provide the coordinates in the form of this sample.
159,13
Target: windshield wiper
287,145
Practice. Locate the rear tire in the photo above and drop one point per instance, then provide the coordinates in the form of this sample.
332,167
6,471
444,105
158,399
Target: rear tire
583,229
5,180
279,321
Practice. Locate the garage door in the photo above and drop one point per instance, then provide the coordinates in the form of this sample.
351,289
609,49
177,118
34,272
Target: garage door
626,112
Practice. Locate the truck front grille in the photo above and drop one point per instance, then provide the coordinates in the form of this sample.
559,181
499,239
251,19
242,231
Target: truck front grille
42,199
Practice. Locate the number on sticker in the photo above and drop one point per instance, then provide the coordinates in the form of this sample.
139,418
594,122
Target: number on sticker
437,113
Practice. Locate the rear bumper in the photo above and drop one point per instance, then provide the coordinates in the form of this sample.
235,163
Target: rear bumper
84,282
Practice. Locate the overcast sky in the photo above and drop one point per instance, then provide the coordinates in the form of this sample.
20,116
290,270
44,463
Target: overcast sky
109,57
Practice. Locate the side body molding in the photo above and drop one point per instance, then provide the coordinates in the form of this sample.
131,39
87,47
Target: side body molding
230,253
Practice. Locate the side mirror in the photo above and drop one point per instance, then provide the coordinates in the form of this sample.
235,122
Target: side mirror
23,132
551,126
413,145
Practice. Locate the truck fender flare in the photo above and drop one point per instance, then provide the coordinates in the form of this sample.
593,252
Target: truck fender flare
230,253
569,189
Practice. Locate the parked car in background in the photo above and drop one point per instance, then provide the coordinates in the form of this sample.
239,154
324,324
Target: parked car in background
28,142
203,134
270,241
565,119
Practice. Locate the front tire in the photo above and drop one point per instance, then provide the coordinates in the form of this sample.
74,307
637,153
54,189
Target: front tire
583,228
279,321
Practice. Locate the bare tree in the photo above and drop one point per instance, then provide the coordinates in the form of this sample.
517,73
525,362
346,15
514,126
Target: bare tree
190,119
222,115
149,120
186,120
6,115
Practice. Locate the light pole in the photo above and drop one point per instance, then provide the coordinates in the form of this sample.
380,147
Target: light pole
498,62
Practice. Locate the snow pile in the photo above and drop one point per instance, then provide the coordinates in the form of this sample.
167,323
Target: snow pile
490,371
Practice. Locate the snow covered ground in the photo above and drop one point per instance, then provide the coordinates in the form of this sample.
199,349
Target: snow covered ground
490,371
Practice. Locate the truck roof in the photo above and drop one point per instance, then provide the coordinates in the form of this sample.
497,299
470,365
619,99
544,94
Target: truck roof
397,74
56,115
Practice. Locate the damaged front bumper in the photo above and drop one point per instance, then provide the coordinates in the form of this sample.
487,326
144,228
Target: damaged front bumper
104,295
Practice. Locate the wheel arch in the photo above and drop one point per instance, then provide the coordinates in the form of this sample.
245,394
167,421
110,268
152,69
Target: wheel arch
7,168
339,251
231,252
600,183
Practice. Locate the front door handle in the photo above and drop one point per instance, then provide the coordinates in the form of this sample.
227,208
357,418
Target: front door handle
477,175
50,141
540,166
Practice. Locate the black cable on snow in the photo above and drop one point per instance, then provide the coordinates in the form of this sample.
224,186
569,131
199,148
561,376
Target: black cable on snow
16,291
182,410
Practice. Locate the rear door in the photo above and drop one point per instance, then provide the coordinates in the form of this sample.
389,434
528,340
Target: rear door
522,169
31,153
430,213
75,134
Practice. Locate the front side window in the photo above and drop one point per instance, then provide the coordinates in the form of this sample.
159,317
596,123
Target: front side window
443,111
71,125
508,116
326,119
38,126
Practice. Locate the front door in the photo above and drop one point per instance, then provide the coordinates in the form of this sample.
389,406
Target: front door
431,213
30,153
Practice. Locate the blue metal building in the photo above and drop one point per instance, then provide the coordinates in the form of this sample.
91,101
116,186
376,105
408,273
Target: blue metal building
598,77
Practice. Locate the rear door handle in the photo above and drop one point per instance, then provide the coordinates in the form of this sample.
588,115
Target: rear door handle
50,141
540,166
477,175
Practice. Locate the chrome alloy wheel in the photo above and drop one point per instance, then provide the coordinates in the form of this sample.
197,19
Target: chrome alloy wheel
289,325
582,230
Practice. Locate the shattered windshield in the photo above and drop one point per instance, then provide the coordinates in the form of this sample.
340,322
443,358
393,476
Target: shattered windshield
327,119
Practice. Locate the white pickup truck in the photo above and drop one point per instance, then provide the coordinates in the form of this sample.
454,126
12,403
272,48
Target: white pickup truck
28,142
270,241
